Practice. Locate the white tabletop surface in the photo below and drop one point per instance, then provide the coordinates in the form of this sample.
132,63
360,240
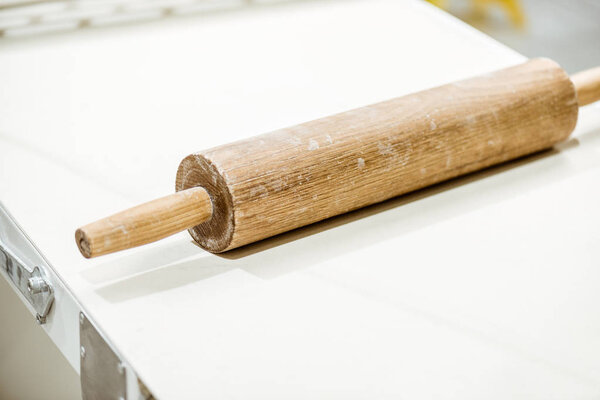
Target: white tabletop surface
484,287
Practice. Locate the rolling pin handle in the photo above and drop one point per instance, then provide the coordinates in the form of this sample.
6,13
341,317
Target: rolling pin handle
145,223
587,85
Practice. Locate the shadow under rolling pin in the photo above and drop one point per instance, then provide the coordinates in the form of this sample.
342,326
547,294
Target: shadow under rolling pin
256,188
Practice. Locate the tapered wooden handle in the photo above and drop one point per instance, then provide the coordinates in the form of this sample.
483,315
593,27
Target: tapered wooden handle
145,223
587,84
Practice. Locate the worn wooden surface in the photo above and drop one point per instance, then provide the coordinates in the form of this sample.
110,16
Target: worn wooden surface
296,176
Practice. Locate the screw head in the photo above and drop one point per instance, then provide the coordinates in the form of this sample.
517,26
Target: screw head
81,318
121,368
82,351
36,285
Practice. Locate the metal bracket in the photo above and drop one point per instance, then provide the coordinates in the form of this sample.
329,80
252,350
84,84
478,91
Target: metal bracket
103,375
24,266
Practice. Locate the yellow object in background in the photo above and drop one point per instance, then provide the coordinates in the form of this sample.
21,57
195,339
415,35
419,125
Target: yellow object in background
512,7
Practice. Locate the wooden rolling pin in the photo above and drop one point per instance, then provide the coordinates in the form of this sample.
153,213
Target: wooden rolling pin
252,189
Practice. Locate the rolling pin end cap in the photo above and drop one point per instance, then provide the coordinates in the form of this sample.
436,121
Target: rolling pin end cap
83,243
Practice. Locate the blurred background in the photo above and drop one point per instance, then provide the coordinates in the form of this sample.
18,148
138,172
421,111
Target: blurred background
567,31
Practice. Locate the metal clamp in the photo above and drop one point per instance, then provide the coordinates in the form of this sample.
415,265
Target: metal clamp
24,266
103,375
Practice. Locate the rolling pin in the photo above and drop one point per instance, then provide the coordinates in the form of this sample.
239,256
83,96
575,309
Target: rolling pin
252,189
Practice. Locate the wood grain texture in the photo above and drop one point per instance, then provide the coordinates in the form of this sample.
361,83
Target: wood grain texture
587,85
145,223
295,176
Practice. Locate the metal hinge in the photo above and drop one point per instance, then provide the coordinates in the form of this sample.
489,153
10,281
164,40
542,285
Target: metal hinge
24,266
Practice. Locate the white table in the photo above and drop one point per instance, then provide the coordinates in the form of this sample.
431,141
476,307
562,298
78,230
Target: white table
484,287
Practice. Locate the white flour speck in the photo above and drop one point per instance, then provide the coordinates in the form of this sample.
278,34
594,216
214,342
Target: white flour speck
384,149
259,191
